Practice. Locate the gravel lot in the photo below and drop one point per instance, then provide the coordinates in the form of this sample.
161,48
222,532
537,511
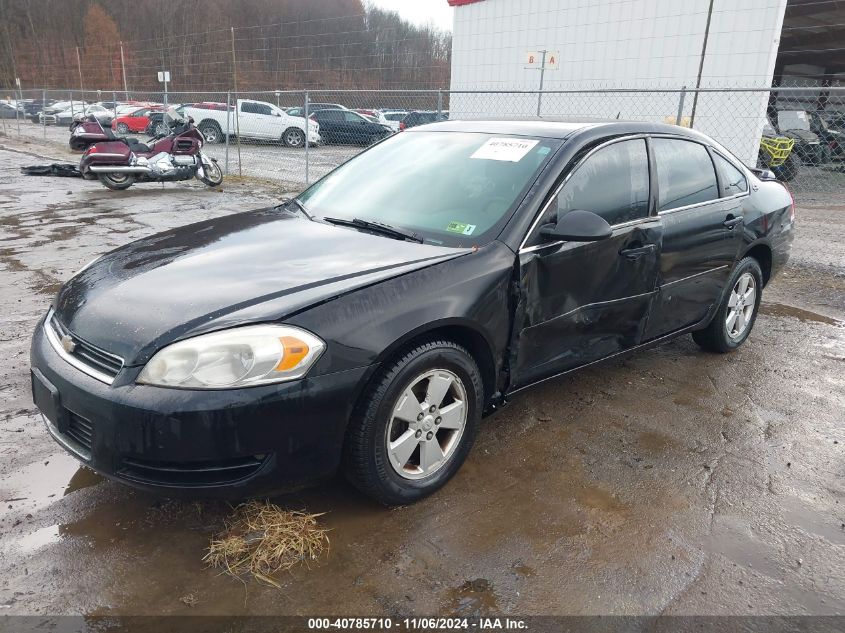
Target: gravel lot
670,482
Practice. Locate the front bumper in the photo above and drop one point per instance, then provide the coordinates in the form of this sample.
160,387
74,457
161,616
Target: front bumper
229,443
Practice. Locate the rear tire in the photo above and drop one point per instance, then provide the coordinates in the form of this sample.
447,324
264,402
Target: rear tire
737,312
117,182
400,447
211,131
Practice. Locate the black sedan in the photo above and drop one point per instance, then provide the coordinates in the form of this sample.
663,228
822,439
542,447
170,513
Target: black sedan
369,323
348,127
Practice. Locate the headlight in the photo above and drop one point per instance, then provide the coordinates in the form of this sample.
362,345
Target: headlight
239,357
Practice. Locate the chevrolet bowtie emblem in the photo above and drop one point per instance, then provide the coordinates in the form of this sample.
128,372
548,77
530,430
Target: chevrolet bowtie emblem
68,344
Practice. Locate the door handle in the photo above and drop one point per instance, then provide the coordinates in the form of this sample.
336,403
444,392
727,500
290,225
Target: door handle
637,252
731,222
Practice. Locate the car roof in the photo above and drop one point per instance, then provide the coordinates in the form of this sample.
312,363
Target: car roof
557,128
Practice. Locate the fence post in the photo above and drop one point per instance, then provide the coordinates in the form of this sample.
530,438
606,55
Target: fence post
439,104
44,118
20,100
228,117
680,115
114,103
70,94
306,139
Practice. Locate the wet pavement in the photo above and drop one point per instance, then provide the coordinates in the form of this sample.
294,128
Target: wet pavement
673,481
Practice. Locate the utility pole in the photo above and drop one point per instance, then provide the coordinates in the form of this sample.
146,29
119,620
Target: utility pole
79,66
549,60
123,70
237,105
542,75
701,64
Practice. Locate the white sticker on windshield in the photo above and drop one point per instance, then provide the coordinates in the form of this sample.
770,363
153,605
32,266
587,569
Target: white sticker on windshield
507,149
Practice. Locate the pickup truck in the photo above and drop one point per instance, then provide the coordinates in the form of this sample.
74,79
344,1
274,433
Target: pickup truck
252,120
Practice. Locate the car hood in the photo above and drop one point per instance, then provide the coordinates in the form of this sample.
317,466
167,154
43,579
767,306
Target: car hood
258,266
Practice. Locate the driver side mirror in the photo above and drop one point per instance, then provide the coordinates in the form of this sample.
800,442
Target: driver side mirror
578,226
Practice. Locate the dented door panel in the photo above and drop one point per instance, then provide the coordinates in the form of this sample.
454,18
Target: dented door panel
583,301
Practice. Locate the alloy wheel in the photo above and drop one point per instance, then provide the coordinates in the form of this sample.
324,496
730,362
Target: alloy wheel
426,424
294,138
210,134
741,304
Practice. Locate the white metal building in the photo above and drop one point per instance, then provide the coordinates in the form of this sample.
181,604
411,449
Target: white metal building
620,44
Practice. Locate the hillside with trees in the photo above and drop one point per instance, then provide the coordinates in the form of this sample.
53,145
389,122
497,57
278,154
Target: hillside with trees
211,44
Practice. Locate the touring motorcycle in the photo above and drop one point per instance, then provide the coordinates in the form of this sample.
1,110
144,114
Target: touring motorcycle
121,162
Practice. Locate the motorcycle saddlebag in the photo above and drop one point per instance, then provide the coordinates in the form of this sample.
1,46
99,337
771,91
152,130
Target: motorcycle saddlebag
108,153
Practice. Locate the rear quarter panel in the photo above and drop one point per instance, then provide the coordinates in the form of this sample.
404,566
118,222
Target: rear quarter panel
769,220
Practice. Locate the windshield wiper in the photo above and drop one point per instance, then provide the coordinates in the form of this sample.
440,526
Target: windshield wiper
377,227
300,207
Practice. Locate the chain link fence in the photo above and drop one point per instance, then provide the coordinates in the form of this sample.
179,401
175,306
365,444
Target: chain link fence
798,132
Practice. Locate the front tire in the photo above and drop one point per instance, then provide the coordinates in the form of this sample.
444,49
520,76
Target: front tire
117,182
213,174
122,128
737,313
293,137
415,424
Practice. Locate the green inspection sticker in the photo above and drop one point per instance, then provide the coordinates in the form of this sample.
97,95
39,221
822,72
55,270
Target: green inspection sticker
460,227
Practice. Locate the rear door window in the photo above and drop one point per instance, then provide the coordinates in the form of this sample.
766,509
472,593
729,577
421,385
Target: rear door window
685,173
733,180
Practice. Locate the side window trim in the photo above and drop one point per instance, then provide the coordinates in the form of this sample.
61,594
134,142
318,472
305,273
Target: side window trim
552,197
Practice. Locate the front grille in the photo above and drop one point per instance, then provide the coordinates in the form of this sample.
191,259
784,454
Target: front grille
100,361
209,473
79,430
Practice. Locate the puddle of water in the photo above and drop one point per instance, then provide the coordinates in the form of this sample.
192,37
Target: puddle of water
799,514
781,310
654,442
473,598
39,484
39,538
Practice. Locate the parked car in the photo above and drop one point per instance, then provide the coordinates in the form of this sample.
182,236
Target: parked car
60,113
370,322
349,127
393,118
136,121
421,117
254,120
315,107
808,147
9,111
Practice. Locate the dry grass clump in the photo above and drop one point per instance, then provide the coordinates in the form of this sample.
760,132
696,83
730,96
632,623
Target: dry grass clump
261,539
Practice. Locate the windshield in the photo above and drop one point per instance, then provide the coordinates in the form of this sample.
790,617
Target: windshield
173,117
451,188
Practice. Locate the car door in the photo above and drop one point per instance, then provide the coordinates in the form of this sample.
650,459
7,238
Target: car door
331,123
583,301
252,120
701,234
355,128
137,121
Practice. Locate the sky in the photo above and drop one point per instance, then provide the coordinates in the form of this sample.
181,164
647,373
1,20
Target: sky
420,11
